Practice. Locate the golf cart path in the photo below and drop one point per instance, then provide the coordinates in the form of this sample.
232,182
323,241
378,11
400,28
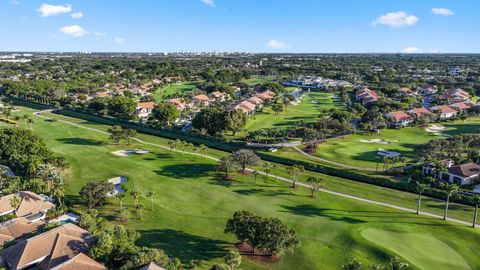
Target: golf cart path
38,114
333,162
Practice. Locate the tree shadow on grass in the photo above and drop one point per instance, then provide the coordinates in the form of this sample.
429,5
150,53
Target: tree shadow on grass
386,216
183,245
264,192
81,141
181,171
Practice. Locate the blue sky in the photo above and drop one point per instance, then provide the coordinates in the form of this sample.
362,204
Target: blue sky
322,26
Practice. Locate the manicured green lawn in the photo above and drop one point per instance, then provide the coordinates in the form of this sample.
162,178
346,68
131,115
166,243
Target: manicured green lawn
176,88
307,110
194,202
258,80
351,150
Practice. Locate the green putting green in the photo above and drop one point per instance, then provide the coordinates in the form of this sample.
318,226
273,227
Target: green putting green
422,250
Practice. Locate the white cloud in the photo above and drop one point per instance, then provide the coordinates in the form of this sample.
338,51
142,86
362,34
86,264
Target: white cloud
276,44
119,40
210,3
397,19
99,34
74,30
49,10
411,50
77,15
443,12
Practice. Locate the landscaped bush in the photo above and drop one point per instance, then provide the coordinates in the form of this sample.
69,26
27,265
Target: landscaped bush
7,217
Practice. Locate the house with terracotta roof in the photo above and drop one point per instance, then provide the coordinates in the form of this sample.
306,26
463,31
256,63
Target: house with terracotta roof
460,106
258,102
419,112
463,174
144,109
266,95
399,119
179,103
444,112
18,229
365,96
246,107
218,96
55,249
456,95
31,205
405,91
428,89
201,100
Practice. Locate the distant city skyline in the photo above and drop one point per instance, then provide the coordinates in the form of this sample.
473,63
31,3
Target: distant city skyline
270,26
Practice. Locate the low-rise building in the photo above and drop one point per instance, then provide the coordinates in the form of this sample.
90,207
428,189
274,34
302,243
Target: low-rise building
31,205
460,106
57,249
218,96
419,112
456,95
258,102
463,174
399,119
179,103
365,96
444,112
18,229
201,100
144,109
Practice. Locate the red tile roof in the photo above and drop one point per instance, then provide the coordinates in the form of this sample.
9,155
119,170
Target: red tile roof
146,105
399,116
444,109
419,111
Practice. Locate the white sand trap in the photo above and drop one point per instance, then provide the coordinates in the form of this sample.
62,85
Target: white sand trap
315,101
385,153
435,129
380,141
117,183
127,153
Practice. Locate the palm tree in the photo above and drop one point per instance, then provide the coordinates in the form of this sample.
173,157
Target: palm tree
203,149
136,194
275,169
267,168
420,189
58,190
173,145
25,117
255,174
139,208
476,202
295,171
120,197
30,121
15,202
122,215
47,172
450,189
150,196
316,183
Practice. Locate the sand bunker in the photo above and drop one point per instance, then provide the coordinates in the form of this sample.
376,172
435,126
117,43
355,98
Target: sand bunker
380,141
437,130
126,153
385,153
117,183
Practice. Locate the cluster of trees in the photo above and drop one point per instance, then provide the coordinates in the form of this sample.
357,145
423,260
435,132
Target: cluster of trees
458,148
116,247
117,133
267,135
35,166
267,236
395,264
215,119
231,261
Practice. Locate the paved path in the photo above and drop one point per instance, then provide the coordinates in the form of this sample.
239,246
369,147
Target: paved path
333,162
277,177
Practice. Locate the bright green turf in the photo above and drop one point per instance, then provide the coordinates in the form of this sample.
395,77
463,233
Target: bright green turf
350,150
258,80
176,88
306,110
425,251
194,202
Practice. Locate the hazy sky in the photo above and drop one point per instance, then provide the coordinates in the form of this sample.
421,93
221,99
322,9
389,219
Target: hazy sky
321,26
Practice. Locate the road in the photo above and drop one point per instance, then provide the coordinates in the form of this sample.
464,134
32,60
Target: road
39,114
